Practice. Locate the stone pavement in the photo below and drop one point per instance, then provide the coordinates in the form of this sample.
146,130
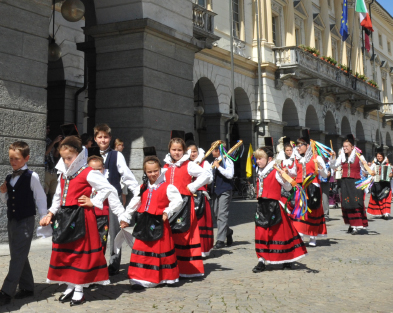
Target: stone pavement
344,273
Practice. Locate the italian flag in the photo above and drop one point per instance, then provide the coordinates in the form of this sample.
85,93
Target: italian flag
365,19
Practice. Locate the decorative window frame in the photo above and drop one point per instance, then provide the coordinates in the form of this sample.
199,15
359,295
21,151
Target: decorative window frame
278,11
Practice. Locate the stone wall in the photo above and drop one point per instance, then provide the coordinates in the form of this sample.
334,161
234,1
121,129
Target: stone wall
23,74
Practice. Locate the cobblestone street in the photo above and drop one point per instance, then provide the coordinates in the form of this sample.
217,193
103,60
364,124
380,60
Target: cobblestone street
344,273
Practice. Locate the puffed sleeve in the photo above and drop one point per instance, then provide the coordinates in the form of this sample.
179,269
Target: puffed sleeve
202,176
287,186
324,171
208,167
134,204
98,181
175,200
56,198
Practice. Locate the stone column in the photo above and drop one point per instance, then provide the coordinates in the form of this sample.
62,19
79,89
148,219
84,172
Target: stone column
326,36
23,79
290,36
267,21
145,58
309,25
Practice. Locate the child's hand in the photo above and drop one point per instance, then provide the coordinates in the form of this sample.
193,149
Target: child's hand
85,201
216,164
164,217
47,219
124,224
3,187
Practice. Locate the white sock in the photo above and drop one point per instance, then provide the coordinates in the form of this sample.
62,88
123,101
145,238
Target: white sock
78,293
262,260
68,290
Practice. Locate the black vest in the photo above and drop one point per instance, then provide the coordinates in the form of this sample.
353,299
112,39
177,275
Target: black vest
20,203
114,175
220,183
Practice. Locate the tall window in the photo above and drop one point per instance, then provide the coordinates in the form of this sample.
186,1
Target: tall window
334,49
380,41
389,47
298,36
275,29
384,91
236,18
202,3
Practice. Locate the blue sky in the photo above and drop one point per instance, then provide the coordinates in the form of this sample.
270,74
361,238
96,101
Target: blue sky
387,4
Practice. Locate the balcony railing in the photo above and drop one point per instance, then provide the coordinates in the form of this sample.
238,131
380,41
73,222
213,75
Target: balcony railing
203,20
309,69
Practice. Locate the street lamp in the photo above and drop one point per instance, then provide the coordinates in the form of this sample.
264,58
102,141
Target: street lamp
73,10
54,51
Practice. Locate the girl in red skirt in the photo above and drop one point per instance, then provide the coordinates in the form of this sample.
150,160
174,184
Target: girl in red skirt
306,163
184,223
77,259
203,211
276,239
381,193
352,199
153,257
287,159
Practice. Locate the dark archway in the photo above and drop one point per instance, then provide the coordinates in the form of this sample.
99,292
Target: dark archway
330,123
312,121
206,101
360,137
291,118
345,126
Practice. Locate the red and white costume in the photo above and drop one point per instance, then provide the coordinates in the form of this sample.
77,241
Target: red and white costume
314,224
154,262
187,244
79,263
380,207
352,199
205,223
280,243
289,164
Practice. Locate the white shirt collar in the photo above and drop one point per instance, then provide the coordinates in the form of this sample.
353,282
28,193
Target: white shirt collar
168,159
160,179
262,172
80,161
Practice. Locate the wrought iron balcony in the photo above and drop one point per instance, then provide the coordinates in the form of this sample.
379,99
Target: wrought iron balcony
203,20
311,71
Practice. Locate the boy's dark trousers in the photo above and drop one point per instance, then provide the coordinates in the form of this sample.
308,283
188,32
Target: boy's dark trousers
20,235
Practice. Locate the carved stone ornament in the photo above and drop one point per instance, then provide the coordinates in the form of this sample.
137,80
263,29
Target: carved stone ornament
276,7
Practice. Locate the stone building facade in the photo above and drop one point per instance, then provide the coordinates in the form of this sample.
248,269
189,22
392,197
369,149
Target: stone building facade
146,67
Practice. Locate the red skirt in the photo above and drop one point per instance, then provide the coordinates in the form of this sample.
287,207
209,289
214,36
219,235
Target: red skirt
355,217
154,262
205,225
81,262
280,243
188,249
313,224
379,208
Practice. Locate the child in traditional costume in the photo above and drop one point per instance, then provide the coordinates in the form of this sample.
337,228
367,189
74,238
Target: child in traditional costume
77,259
184,223
276,239
202,205
308,165
287,158
352,199
153,257
381,193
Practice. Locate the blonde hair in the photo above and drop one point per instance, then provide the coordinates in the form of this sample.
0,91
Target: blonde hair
118,142
260,154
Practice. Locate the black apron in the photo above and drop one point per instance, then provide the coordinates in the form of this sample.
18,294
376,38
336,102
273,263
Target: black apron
268,213
68,224
200,204
180,222
148,227
380,190
351,198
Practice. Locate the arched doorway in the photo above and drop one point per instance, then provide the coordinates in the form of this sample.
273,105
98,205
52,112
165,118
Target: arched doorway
345,126
360,137
242,128
205,103
312,121
291,118
330,123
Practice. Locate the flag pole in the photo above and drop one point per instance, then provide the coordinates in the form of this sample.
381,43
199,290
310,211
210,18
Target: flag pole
350,53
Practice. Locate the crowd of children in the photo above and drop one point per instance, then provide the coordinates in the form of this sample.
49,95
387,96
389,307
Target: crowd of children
173,228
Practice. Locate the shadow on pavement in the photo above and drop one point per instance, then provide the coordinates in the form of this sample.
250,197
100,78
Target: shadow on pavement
218,253
324,243
212,267
296,266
